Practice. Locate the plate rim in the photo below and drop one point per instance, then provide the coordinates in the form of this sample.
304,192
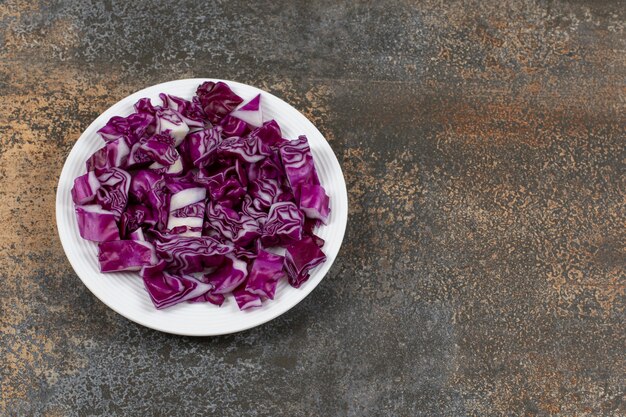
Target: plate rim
100,120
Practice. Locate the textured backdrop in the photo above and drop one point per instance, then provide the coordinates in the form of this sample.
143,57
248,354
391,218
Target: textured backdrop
483,270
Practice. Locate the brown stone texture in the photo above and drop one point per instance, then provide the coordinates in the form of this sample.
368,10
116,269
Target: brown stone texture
483,269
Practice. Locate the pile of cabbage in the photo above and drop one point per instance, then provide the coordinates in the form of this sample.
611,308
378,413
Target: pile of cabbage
198,196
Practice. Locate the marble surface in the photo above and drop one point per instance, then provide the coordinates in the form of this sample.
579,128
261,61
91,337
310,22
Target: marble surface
483,270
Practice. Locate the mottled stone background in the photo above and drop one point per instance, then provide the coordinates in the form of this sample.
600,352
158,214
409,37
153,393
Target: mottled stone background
483,270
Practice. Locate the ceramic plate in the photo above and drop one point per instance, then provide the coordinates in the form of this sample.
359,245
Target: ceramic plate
125,293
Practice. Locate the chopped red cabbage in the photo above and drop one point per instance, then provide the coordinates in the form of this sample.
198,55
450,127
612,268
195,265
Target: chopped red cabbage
187,210
188,254
134,218
217,100
298,164
269,134
248,149
113,191
85,188
142,182
250,112
169,121
156,148
201,146
168,289
192,192
209,297
189,111
266,270
314,202
238,228
234,127
113,154
283,225
137,234
300,258
246,300
97,224
131,128
231,273
125,255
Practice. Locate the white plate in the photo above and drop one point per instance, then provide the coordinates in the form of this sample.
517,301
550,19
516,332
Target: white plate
125,293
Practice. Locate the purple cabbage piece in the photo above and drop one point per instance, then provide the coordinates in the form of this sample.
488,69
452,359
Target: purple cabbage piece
158,200
167,289
186,231
97,224
241,173
172,102
186,197
317,240
266,270
247,149
85,188
186,255
113,192
113,154
314,202
217,299
248,255
224,186
300,258
138,157
217,100
284,224
125,255
134,217
234,127
142,182
309,227
238,228
265,192
246,300
248,208
144,105
271,167
191,210
169,171
250,112
254,104
269,134
189,111
201,146
180,183
137,235
298,164
232,273
252,170
170,122
187,210
132,128
158,148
